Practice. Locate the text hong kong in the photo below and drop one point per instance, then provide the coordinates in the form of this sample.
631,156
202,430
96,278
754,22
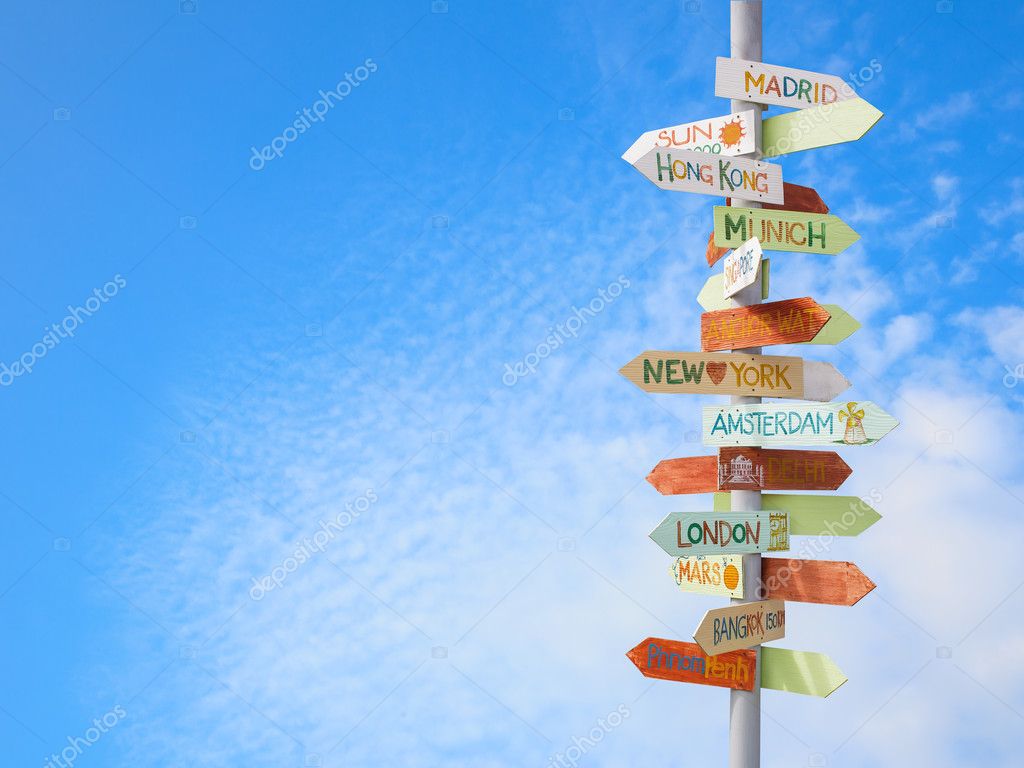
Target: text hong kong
716,172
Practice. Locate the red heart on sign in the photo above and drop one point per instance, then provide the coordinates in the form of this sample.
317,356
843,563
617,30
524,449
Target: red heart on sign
716,371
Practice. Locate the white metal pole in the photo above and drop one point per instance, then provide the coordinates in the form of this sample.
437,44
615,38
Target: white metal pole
745,706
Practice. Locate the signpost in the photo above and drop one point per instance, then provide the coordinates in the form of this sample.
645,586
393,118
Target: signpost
687,663
710,533
741,625
741,268
812,674
778,86
783,230
703,373
707,174
711,296
793,321
853,423
748,469
813,581
728,135
813,515
818,127
709,574
719,552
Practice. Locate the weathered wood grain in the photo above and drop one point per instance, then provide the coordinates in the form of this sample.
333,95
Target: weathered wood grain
709,533
739,626
751,469
696,474
711,295
771,424
709,574
783,230
815,515
687,663
818,127
708,174
812,674
791,321
795,198
827,582
761,83
728,135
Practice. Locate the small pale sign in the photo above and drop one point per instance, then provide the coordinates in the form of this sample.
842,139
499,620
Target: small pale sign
741,267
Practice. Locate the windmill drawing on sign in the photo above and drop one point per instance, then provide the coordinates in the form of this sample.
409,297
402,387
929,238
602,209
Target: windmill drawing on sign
740,471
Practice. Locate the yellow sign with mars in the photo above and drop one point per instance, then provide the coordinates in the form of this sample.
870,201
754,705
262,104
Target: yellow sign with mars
709,574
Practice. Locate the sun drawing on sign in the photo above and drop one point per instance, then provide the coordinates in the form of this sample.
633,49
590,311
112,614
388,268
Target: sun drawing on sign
732,133
732,576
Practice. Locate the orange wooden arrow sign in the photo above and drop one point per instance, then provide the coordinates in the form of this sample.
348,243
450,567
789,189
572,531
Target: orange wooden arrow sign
751,469
813,581
792,321
687,663
795,198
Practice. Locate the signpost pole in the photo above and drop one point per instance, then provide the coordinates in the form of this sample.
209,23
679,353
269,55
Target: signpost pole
745,706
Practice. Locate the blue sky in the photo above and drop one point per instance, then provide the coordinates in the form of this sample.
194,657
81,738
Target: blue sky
322,342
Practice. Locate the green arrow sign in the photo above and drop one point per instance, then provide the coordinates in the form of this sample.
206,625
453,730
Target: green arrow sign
710,296
710,533
818,127
812,674
782,230
841,325
770,424
816,515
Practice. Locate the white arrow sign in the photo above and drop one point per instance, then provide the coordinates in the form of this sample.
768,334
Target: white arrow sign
726,135
781,86
707,174
741,267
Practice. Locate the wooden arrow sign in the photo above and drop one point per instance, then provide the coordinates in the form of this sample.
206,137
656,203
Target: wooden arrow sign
762,83
687,663
707,174
813,515
758,468
793,321
740,626
813,581
709,533
750,469
812,674
796,198
725,374
817,127
797,424
741,268
726,135
783,230
711,296
709,574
